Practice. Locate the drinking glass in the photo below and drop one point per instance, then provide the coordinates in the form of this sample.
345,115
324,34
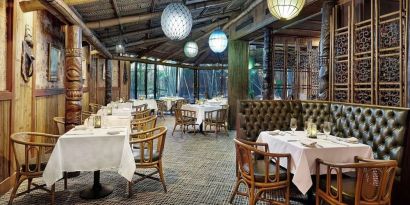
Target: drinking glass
327,127
293,125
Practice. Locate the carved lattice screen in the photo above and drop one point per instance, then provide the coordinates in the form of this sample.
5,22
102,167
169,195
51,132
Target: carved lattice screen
295,68
369,41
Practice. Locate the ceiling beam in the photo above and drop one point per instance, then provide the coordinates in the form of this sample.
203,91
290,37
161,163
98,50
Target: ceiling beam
34,5
146,16
140,42
60,8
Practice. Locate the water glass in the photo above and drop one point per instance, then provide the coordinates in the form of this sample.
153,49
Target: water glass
293,125
327,127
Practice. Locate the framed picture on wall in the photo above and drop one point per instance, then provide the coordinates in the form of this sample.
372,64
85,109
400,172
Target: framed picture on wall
54,58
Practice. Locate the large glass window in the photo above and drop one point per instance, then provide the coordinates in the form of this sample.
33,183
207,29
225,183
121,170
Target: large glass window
150,80
255,83
166,81
186,84
141,79
133,81
212,83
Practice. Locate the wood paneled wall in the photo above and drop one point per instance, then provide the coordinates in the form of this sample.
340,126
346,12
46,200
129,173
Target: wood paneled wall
31,106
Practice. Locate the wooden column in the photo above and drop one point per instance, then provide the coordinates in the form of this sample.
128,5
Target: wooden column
73,77
238,54
108,81
155,80
324,50
267,65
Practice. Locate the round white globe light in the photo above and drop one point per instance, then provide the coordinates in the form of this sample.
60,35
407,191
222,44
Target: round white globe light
218,41
176,21
119,48
191,49
285,9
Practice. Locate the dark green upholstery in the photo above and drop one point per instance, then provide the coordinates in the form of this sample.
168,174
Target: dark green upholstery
385,129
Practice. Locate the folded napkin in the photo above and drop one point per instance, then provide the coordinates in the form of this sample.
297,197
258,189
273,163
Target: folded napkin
276,132
307,142
80,132
352,140
80,127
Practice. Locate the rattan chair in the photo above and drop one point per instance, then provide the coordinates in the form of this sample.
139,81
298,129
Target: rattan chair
150,157
141,114
140,108
217,119
85,115
60,123
31,151
184,118
143,125
162,108
260,175
371,184
93,107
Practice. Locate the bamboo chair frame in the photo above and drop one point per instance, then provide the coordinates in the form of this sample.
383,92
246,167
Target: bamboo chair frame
144,125
218,119
60,124
146,158
184,118
141,114
256,190
380,172
162,108
140,108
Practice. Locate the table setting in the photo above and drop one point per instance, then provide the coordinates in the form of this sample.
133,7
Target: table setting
152,103
170,100
200,110
308,145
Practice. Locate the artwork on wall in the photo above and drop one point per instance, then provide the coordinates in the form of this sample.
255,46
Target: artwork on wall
27,57
54,58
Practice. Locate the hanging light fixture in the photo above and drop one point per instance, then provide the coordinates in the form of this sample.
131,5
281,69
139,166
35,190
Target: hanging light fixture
176,21
191,49
119,48
285,9
218,41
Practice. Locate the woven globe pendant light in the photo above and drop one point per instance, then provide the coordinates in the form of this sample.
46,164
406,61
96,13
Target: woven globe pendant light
285,9
191,49
218,41
176,21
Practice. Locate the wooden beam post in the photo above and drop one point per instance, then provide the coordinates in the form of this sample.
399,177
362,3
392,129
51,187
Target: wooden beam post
73,76
324,50
196,85
238,54
108,81
267,64
155,80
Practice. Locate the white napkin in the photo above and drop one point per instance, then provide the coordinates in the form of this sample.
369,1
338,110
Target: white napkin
276,132
80,127
352,140
307,142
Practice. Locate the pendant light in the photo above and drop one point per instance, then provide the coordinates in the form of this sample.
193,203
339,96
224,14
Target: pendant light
285,9
176,21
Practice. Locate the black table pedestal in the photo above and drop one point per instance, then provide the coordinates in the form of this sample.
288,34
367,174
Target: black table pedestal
97,190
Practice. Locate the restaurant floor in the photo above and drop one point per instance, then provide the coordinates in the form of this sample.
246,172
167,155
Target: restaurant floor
199,169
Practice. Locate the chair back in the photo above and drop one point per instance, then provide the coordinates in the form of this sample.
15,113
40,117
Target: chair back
142,114
374,180
153,141
85,115
60,123
179,103
216,116
184,115
162,105
246,157
31,151
93,107
144,125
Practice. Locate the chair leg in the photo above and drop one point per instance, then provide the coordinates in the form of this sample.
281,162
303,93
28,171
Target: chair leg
234,191
251,194
65,180
15,188
129,189
53,194
161,176
29,181
174,129
287,196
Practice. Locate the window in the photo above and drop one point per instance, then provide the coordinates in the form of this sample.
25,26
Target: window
150,81
166,81
141,79
186,84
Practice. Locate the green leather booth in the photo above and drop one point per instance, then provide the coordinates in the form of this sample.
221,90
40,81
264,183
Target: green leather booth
385,129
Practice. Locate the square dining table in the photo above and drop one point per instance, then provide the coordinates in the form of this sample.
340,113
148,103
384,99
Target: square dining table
303,158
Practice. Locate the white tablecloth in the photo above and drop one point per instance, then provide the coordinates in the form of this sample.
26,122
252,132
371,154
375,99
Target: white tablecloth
152,104
200,110
303,158
126,112
169,100
91,150
217,102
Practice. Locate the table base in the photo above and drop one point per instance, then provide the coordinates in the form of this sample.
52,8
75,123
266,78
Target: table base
97,190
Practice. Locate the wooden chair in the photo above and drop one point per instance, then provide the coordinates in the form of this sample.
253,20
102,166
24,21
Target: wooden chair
31,151
141,114
140,108
216,118
139,126
60,123
262,175
153,141
93,107
184,118
179,103
371,185
162,108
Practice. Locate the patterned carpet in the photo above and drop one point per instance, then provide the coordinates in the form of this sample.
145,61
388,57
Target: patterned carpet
199,169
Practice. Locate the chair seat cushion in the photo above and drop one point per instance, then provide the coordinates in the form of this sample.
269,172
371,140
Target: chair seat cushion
137,155
33,167
259,171
348,186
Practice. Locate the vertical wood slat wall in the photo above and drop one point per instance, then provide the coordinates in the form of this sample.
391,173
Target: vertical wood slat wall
369,63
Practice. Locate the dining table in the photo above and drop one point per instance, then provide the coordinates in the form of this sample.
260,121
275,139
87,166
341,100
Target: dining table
85,148
152,103
304,151
170,100
200,110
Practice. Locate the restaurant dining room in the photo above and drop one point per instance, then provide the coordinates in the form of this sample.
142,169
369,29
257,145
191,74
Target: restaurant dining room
186,102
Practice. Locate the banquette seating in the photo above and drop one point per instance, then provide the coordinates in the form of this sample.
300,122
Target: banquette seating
385,129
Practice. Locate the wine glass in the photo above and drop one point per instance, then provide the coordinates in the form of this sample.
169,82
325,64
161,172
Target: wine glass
293,125
327,127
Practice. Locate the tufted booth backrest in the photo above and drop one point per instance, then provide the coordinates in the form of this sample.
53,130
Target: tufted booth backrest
381,128
317,110
256,116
